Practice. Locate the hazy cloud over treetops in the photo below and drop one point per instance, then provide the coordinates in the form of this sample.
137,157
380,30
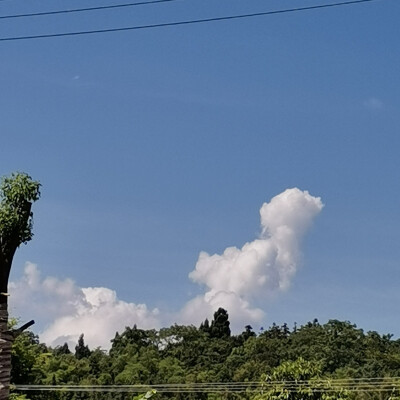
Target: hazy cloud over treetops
239,279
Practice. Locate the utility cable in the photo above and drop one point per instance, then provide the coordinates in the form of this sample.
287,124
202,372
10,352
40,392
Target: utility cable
77,10
380,384
188,389
179,23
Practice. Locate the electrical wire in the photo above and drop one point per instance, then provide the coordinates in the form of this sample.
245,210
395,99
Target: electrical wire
78,10
180,23
381,384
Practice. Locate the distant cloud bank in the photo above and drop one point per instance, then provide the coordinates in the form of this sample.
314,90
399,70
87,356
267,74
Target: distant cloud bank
237,279
71,310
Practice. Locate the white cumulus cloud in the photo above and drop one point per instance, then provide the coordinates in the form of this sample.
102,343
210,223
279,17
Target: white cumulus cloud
71,310
238,277
239,280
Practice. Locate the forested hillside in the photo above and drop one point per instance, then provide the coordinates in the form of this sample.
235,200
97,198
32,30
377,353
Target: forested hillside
210,354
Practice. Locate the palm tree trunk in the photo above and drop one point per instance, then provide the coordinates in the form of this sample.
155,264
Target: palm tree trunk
6,339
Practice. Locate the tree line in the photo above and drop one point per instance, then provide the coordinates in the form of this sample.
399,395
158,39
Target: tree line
186,354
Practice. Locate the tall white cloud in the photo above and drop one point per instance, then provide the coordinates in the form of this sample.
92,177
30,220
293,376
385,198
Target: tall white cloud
238,277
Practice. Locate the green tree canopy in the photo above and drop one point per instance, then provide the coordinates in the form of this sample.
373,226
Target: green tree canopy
220,324
17,193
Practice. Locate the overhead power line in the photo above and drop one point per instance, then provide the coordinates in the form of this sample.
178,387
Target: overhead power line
180,23
380,384
78,10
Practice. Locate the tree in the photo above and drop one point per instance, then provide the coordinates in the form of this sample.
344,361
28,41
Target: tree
299,380
26,350
205,326
220,324
17,193
82,350
64,349
246,334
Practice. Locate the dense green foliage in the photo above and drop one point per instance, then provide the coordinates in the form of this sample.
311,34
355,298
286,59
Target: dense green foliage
187,354
17,193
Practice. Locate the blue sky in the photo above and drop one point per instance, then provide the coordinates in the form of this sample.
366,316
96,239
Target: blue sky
155,145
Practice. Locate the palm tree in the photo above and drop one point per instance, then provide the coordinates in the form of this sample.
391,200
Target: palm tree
17,193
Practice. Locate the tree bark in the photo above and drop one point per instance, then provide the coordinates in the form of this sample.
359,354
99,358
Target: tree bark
6,339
